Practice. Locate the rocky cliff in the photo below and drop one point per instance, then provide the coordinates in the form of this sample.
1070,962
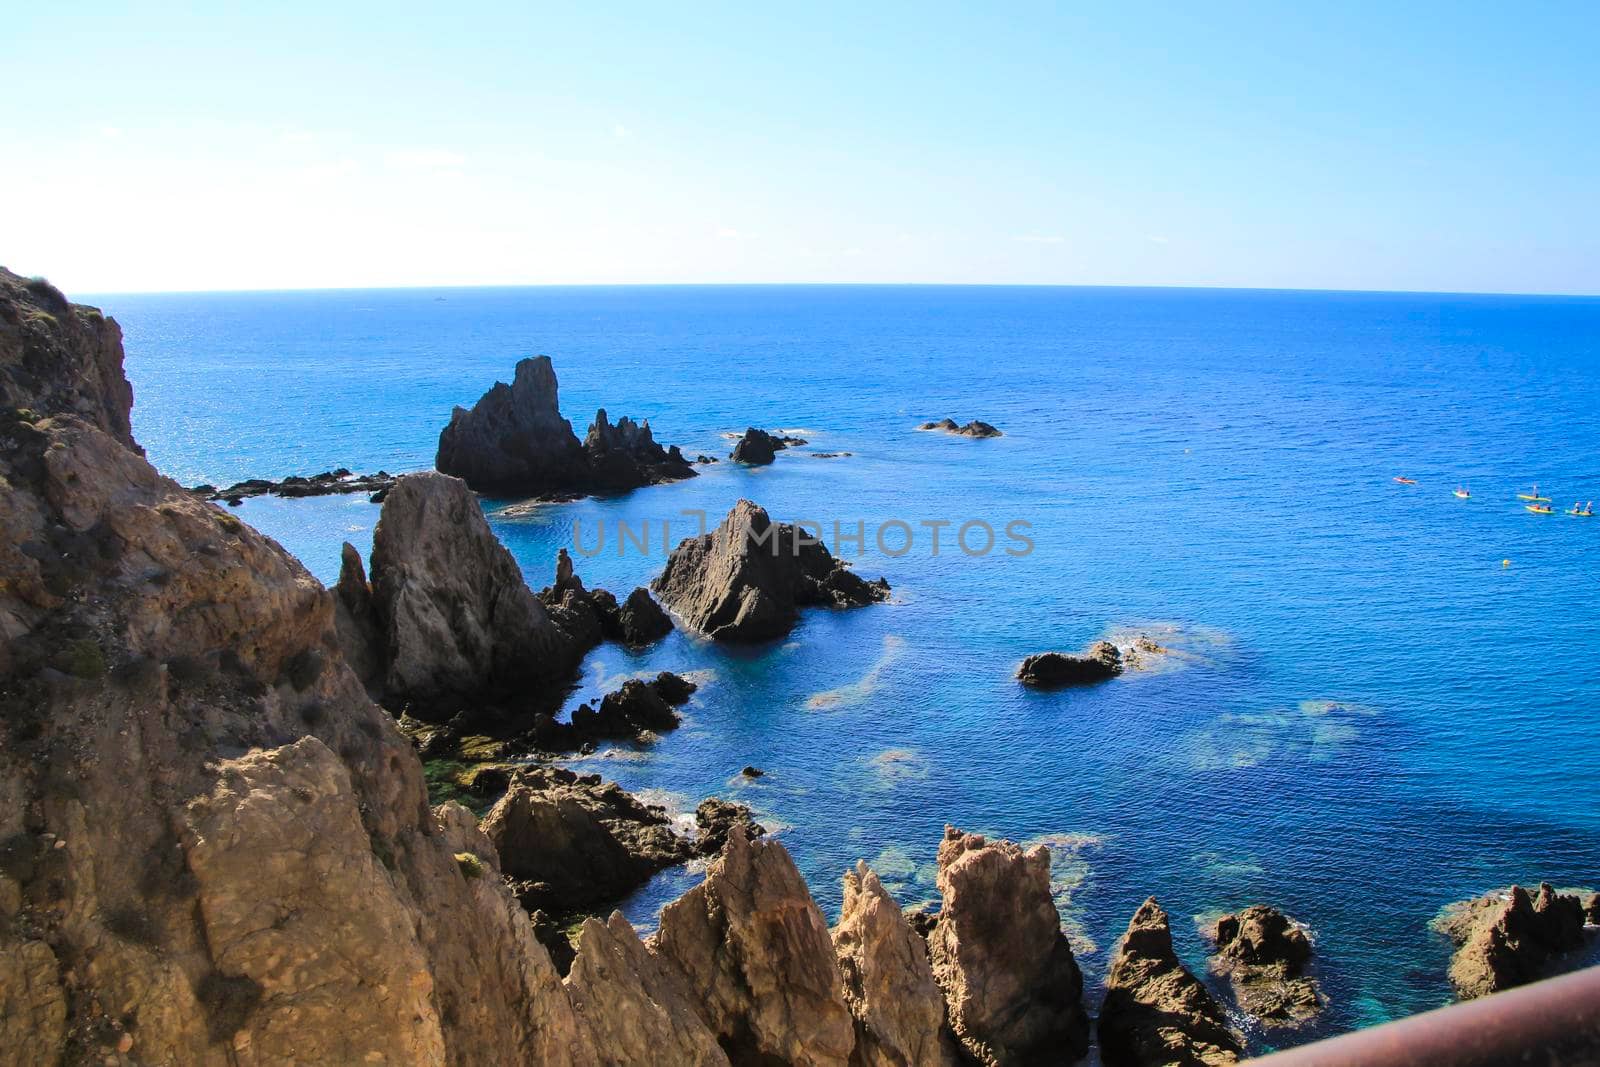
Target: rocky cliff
214,848
514,442
748,579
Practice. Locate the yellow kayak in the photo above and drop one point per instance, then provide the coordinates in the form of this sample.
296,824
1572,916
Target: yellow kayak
1540,509
1534,496
1580,514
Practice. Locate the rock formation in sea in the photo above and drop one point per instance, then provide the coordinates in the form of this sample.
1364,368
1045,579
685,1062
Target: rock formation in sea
453,624
514,442
216,847
1050,670
591,614
328,483
572,842
747,579
1510,937
757,448
1266,958
1155,1011
975,428
898,1008
757,959
1012,988
715,819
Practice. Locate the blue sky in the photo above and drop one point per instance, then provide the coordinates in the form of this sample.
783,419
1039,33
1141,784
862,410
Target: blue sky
1365,146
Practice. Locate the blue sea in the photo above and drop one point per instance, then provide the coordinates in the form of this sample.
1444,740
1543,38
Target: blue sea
1381,698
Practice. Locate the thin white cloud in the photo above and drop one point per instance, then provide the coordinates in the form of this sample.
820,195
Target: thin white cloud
1041,239
1156,239
619,131
728,233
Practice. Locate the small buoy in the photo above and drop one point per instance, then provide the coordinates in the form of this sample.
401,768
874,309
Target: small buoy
1505,563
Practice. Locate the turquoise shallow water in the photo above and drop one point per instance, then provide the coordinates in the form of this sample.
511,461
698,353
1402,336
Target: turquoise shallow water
1216,466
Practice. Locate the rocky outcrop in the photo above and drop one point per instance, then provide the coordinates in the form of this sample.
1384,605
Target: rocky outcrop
1266,957
1013,991
898,1008
216,848
592,614
1510,937
640,620
748,579
328,483
1155,1011
276,849
1053,670
458,627
635,1008
571,842
61,358
757,448
514,442
715,819
755,954
975,428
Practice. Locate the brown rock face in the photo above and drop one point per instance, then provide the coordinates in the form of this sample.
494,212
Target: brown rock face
277,851
61,358
747,579
1265,956
514,442
1013,990
1051,670
635,1008
457,622
888,983
33,1006
199,806
1155,1011
573,843
1509,938
756,955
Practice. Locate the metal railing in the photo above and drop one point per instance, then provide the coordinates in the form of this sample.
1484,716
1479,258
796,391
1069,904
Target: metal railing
1553,1023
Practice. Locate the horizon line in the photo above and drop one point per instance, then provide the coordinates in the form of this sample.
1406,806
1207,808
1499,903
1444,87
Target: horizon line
835,285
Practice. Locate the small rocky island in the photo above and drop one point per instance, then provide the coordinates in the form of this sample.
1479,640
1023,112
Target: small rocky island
975,428
514,442
1053,670
747,580
757,448
1266,957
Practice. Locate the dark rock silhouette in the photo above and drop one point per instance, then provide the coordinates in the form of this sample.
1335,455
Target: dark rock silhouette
1050,670
975,428
514,442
